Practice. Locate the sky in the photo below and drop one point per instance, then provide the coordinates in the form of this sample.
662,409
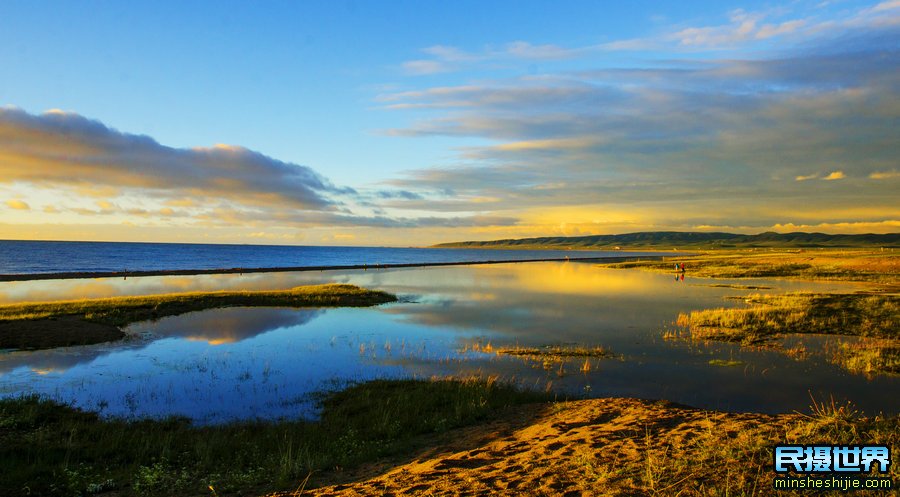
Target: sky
408,123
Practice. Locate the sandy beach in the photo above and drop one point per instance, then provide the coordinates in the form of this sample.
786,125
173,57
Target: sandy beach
612,446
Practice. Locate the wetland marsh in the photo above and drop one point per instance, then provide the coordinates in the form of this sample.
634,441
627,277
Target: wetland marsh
239,363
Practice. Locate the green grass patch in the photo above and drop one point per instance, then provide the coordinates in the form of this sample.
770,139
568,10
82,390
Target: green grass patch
725,363
49,449
80,322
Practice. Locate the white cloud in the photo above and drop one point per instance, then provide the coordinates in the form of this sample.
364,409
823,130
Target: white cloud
447,58
424,67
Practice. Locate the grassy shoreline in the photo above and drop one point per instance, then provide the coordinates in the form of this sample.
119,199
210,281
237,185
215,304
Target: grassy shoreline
33,326
398,435
51,449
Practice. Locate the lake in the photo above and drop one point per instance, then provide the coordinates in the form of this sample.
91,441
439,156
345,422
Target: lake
264,363
36,257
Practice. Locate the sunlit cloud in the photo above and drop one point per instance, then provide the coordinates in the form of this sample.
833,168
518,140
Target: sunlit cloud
743,27
17,204
86,172
893,173
61,148
677,135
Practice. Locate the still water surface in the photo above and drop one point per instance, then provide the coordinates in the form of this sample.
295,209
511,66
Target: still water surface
247,363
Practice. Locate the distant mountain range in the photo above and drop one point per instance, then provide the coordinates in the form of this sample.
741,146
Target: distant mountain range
685,239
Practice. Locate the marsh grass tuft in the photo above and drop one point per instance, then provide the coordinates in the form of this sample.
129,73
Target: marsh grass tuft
797,352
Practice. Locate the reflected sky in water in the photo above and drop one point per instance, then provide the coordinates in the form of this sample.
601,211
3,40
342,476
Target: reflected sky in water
242,363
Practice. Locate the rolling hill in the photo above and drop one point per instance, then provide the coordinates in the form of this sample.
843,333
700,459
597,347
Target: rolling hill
684,239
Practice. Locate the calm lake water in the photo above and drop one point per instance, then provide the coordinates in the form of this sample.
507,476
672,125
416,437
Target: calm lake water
32,257
246,363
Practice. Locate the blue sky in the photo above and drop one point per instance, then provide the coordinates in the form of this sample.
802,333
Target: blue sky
295,80
435,121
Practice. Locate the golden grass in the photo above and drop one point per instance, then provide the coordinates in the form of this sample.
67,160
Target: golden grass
868,356
876,318
872,266
772,315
